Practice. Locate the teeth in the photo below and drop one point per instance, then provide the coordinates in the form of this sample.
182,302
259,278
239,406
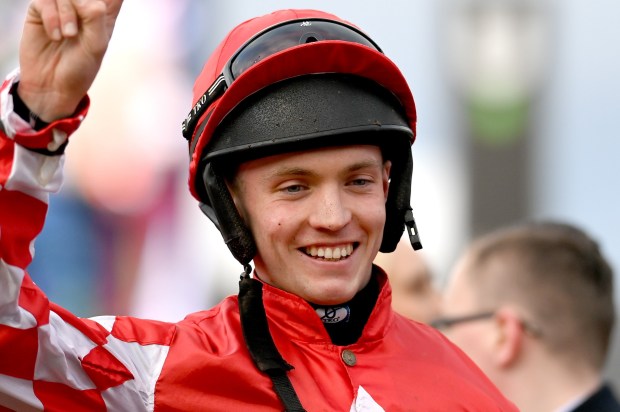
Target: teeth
333,253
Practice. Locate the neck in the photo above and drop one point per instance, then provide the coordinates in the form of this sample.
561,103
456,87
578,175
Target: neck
345,322
551,383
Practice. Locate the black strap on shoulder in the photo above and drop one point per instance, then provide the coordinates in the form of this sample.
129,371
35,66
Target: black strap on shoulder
260,343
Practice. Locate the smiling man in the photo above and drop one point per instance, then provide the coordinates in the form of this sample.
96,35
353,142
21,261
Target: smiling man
299,139
317,216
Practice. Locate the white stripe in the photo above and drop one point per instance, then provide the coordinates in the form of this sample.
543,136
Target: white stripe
35,174
9,119
18,395
106,321
61,347
58,139
144,361
219,80
11,314
157,368
125,397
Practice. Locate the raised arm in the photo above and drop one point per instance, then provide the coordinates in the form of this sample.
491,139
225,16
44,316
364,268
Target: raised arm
61,51
49,358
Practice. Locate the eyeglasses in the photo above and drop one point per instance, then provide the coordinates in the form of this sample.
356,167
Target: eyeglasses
269,42
443,323
446,322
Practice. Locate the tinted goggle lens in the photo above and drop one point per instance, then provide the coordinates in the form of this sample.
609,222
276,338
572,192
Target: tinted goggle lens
282,37
267,43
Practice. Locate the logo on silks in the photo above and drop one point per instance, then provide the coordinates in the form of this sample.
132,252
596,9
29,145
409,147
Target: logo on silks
334,314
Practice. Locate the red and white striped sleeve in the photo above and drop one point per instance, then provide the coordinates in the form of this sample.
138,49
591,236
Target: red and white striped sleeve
49,358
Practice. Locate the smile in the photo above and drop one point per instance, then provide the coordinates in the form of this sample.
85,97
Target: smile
330,253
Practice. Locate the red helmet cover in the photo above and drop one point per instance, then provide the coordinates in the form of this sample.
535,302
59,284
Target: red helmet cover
326,56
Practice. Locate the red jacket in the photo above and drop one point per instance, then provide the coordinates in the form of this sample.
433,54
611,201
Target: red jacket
52,360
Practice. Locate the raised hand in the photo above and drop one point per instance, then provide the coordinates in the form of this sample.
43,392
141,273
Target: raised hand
61,51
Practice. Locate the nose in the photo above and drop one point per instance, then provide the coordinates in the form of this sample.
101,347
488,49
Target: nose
330,211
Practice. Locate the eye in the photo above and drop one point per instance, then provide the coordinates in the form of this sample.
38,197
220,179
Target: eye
292,189
360,182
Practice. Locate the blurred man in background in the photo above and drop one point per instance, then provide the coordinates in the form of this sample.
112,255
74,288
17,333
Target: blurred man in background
414,294
533,306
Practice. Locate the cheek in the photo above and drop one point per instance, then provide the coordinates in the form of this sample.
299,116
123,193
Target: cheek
469,339
373,215
272,224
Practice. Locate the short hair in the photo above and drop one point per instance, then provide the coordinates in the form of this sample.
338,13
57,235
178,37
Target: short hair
558,274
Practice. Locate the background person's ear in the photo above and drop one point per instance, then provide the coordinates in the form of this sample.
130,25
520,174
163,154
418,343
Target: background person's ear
509,338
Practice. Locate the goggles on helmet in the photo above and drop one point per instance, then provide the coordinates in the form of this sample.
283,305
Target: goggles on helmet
266,43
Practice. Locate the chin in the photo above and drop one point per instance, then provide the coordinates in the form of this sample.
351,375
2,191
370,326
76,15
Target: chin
331,297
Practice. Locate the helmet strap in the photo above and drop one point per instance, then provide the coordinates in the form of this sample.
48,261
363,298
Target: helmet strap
398,214
260,343
224,214
412,229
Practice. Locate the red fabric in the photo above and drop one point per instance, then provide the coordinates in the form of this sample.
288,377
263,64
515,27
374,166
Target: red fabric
144,332
104,369
6,156
41,138
401,364
33,300
18,231
92,330
59,397
22,341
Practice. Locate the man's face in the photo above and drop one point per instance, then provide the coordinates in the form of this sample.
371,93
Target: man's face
476,336
317,218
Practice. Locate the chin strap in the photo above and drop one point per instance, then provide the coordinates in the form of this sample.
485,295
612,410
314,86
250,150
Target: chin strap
412,229
260,343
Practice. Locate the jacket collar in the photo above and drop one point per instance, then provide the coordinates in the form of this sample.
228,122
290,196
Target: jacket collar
290,317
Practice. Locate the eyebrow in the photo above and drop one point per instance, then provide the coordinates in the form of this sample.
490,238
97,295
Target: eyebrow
300,171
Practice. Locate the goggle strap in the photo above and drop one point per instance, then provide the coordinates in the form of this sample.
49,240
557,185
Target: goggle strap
217,88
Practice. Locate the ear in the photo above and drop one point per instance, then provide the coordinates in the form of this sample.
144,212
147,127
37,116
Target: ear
233,189
509,338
